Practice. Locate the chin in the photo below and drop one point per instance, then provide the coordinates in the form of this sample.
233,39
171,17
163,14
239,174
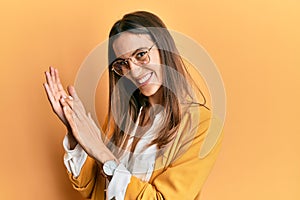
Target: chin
149,90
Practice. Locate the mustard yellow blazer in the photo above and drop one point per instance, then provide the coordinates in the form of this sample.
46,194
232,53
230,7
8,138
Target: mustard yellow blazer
178,174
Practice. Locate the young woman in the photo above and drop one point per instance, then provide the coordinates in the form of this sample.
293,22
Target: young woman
150,144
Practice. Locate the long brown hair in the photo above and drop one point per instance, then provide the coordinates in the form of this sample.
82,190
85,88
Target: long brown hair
142,22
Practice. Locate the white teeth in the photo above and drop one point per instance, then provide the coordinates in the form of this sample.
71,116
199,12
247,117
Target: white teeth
144,79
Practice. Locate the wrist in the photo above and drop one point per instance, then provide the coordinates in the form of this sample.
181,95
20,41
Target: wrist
104,154
72,141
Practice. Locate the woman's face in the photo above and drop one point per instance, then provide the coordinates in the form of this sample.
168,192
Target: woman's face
148,78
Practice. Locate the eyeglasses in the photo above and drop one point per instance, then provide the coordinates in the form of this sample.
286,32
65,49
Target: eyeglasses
140,57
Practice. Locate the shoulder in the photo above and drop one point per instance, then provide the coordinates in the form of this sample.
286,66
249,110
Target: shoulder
200,128
206,128
195,120
195,117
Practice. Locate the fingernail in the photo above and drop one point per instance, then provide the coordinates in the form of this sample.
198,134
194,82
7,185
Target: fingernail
70,97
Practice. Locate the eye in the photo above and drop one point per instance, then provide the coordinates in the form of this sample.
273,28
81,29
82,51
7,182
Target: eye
120,63
141,54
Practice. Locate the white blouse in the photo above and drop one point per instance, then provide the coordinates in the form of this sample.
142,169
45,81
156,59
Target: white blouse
141,164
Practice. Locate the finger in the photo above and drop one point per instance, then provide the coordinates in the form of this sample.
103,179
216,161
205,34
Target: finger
52,84
69,112
52,73
55,84
49,93
89,116
77,102
59,85
64,101
49,81
70,118
53,76
73,92
73,120
67,101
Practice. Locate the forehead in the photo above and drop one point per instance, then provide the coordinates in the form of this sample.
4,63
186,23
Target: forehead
127,42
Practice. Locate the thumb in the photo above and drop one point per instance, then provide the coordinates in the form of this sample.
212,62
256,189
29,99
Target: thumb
77,105
72,92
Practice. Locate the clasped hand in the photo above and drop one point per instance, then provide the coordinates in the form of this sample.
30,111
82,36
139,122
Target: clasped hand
72,113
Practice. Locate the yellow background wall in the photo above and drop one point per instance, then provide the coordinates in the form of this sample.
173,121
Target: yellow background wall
254,43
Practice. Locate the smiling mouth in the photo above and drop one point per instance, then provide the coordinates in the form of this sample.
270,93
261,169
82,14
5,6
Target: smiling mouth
145,79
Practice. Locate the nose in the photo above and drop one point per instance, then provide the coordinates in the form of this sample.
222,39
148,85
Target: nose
135,70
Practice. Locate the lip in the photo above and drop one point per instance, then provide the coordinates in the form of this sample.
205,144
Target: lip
144,82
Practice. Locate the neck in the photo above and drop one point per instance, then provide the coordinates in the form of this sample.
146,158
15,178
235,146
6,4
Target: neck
157,98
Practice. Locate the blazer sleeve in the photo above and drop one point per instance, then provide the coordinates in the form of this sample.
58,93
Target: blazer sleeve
182,179
89,179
